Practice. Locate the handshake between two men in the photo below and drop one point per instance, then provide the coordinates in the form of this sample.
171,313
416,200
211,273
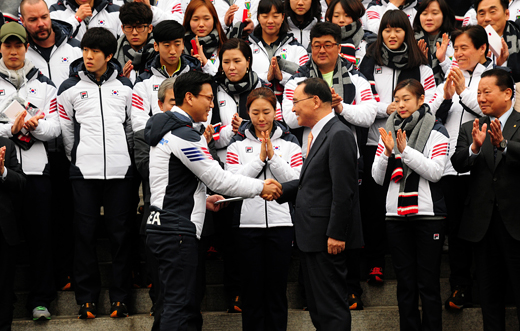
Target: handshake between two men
272,190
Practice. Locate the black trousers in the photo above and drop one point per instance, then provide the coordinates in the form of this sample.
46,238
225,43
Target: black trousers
325,278
7,271
177,256
416,248
62,217
115,196
265,258
455,190
37,227
496,256
373,210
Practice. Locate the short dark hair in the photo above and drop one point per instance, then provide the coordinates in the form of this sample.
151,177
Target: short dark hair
261,93
313,12
192,82
326,29
412,85
168,30
397,19
504,3
135,13
504,80
476,33
318,87
448,17
354,9
264,7
100,38
235,43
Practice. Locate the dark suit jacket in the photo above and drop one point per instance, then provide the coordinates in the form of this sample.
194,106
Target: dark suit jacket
327,195
492,181
10,192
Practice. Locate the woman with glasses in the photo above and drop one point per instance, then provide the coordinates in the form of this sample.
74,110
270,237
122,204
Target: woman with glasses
276,52
413,150
264,148
347,15
433,25
393,58
301,16
204,30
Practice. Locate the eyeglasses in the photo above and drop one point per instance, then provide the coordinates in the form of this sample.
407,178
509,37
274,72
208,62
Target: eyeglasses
209,97
295,102
327,46
138,28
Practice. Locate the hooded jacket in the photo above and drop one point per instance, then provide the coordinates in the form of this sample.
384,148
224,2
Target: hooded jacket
243,158
144,98
104,15
377,8
32,86
180,169
303,36
64,52
95,122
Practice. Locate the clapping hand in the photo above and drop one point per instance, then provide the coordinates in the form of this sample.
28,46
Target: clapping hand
208,133
32,123
272,190
230,15
388,140
391,108
336,101
127,69
457,77
449,88
495,134
2,159
401,140
423,47
442,48
479,135
18,123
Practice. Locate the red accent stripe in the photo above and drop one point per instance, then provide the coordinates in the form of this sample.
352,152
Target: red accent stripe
372,15
137,99
296,164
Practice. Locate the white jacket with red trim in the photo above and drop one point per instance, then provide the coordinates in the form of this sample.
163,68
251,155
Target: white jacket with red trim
377,8
385,80
243,157
429,165
41,92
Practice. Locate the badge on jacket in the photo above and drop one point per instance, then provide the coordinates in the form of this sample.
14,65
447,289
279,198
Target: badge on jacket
379,70
249,149
83,95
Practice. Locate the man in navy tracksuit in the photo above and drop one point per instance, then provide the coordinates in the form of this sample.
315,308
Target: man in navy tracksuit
180,168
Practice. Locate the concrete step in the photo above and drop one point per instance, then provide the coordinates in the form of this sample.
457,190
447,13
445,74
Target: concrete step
375,318
215,299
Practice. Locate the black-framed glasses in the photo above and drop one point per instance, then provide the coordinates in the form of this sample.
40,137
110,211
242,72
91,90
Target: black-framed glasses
327,46
138,28
295,102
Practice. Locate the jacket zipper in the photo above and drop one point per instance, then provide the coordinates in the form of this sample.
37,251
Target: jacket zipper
103,128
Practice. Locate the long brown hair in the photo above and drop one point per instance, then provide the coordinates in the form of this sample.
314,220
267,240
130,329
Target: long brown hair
196,4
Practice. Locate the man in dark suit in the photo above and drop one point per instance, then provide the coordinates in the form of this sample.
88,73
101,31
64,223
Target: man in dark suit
12,182
327,219
490,148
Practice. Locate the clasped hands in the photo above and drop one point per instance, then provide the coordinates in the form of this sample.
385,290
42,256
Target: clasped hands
479,135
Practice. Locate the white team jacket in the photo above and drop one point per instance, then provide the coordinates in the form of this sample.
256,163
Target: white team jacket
457,114
303,36
376,10
41,92
243,157
385,80
429,165
95,124
470,18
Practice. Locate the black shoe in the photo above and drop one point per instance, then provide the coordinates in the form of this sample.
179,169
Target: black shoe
235,306
459,299
376,277
118,309
87,310
354,302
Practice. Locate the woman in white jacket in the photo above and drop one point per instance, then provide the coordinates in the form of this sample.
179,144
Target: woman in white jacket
302,15
412,164
203,27
264,148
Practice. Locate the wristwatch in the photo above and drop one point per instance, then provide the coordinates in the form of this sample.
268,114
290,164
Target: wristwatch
503,145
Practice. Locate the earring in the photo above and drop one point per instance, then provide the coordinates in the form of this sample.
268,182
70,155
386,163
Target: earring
247,70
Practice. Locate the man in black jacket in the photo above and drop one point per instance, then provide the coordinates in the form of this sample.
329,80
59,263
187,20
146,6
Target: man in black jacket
12,182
